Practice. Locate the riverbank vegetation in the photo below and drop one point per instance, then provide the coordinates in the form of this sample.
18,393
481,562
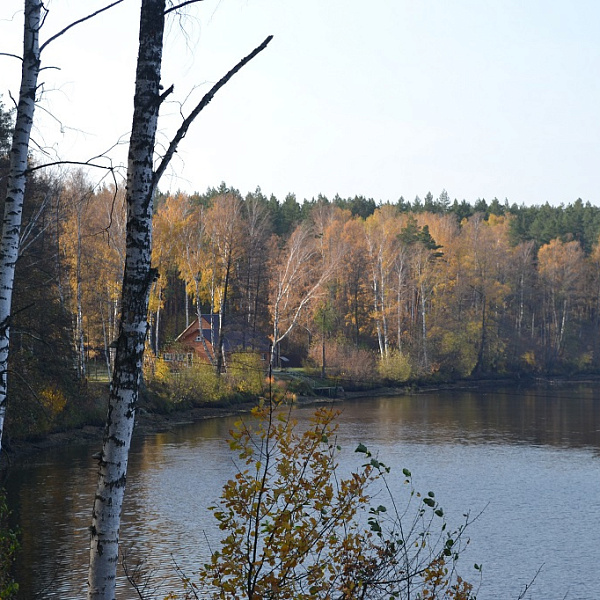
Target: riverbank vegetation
357,293
381,293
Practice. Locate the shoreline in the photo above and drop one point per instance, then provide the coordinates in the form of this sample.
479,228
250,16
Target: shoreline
148,423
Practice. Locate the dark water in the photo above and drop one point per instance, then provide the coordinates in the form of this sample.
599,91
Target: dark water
531,459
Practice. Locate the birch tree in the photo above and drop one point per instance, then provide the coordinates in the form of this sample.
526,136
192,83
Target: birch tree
13,207
142,181
381,230
298,276
562,275
17,174
224,226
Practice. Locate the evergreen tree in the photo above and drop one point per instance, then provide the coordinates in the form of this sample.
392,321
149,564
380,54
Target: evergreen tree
6,128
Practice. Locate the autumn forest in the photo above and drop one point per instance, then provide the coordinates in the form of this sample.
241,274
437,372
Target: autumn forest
366,292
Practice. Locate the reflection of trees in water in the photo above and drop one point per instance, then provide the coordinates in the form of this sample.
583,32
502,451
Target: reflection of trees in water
558,416
174,475
50,499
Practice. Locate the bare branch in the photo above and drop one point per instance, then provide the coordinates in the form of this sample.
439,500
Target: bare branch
12,55
31,232
181,5
62,31
70,162
166,93
181,132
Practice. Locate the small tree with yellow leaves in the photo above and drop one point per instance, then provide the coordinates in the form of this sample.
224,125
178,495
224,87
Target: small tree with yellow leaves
295,530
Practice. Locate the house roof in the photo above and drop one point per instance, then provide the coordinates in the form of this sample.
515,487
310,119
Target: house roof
234,338
193,326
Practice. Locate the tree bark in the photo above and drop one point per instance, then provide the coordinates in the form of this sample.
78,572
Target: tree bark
13,208
142,180
137,280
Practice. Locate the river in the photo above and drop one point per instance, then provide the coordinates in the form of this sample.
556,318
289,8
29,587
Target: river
529,459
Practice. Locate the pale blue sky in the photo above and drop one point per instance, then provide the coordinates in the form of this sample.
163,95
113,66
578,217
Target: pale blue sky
381,98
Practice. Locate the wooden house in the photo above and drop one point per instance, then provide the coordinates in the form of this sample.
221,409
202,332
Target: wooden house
199,343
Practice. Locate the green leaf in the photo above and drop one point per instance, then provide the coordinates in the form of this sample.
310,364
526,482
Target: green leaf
439,512
375,526
431,494
362,448
406,473
429,502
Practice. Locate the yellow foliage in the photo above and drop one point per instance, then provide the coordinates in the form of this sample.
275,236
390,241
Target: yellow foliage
246,373
459,349
529,358
53,400
162,372
395,367
294,529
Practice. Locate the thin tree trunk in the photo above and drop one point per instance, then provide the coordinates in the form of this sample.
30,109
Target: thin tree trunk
222,309
157,329
187,309
13,207
137,280
80,338
106,341
210,355
424,327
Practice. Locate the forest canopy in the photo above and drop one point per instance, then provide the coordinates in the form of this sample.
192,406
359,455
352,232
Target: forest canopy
431,288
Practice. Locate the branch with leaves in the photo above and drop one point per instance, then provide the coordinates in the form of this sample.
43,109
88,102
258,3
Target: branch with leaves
293,529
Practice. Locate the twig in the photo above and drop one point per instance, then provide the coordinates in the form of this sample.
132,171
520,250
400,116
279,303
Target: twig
528,585
178,6
79,21
181,132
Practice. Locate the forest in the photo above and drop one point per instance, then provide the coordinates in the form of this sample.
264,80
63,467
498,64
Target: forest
103,278
360,291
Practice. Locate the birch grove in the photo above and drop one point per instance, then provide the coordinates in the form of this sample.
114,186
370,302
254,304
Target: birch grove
13,207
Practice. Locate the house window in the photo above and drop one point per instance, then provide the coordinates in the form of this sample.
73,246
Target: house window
263,356
168,356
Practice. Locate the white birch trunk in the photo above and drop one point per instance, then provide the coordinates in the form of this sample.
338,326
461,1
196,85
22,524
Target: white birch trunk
157,327
13,209
293,271
424,326
137,280
80,336
187,309
382,302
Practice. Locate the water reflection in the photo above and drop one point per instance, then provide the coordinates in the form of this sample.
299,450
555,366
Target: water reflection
554,417
529,456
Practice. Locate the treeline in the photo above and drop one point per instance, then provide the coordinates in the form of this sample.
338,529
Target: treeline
538,223
358,289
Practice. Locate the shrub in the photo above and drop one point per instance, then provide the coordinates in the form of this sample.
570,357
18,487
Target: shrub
246,373
351,365
395,367
294,529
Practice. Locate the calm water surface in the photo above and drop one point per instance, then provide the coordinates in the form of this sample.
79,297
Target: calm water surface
531,459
